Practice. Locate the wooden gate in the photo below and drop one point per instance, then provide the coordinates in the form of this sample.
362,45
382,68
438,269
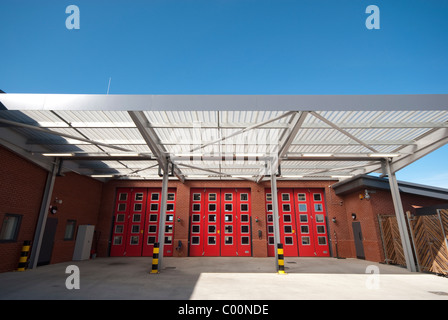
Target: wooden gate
429,233
390,233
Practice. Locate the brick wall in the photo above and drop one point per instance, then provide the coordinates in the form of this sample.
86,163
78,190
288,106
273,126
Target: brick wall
22,185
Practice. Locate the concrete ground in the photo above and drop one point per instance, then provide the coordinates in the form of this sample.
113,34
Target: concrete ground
205,278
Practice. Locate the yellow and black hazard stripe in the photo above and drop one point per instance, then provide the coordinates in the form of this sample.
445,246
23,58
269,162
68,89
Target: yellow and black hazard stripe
281,259
23,260
155,258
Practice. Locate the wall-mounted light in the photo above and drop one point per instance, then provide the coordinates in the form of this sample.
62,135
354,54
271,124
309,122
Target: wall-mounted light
53,209
354,216
178,219
334,219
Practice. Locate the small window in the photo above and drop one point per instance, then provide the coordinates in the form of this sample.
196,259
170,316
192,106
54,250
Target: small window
245,240
151,240
269,205
136,217
322,241
244,218
212,207
289,241
228,218
196,218
288,229
304,229
212,218
123,197
121,207
152,217
320,218
318,207
169,228
270,229
317,197
196,197
268,196
70,230
303,218
302,207
228,207
118,240
196,207
244,196
321,229
285,196
154,207
301,196
286,218
118,228
212,240
120,217
169,217
152,229
137,207
270,218
228,240
271,240
306,241
211,229
195,240
244,207
244,229
135,229
134,240
228,196
286,207
168,239
195,229
170,207
154,196
212,197
228,229
138,196
170,197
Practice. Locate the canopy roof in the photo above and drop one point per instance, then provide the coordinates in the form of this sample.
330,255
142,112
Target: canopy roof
236,137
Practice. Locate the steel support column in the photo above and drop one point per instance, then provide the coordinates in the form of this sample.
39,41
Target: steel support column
163,215
399,213
43,214
275,212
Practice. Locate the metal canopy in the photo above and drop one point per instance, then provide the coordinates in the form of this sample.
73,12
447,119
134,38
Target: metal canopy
224,137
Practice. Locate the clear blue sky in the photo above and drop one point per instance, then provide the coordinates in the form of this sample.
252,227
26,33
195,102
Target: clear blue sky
230,47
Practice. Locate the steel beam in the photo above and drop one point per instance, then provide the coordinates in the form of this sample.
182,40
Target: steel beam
275,211
162,219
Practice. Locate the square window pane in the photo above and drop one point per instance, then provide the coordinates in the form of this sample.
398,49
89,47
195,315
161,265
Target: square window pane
302,207
138,207
212,197
168,239
212,207
196,218
169,218
196,197
228,229
287,229
152,229
195,240
306,241
119,228
268,196
211,229
289,241
269,207
134,240
286,218
211,240
212,218
270,218
170,197
118,240
136,217
318,207
135,229
317,197
228,196
270,229
271,240
244,218
152,217
244,229
320,218
228,218
321,229
228,207
154,207
170,207
304,229
151,240
322,240
245,240
286,207
244,196
196,207
169,228
123,197
301,196
303,218
285,196
122,207
195,229
138,196
244,207
154,196
228,240
120,217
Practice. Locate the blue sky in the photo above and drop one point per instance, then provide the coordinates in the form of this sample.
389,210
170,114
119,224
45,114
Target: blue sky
230,47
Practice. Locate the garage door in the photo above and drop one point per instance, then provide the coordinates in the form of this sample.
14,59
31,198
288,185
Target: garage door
220,223
302,222
136,222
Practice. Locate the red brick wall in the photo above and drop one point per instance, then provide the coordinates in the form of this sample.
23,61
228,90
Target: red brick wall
22,185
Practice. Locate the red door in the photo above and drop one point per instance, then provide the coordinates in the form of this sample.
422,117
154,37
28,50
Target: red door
137,210
197,223
212,223
305,229
229,226
121,215
287,216
318,217
243,219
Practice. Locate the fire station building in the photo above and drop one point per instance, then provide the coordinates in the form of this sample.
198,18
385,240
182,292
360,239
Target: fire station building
119,175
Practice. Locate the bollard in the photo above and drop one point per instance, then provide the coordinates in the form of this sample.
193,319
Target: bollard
281,259
155,258
23,260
